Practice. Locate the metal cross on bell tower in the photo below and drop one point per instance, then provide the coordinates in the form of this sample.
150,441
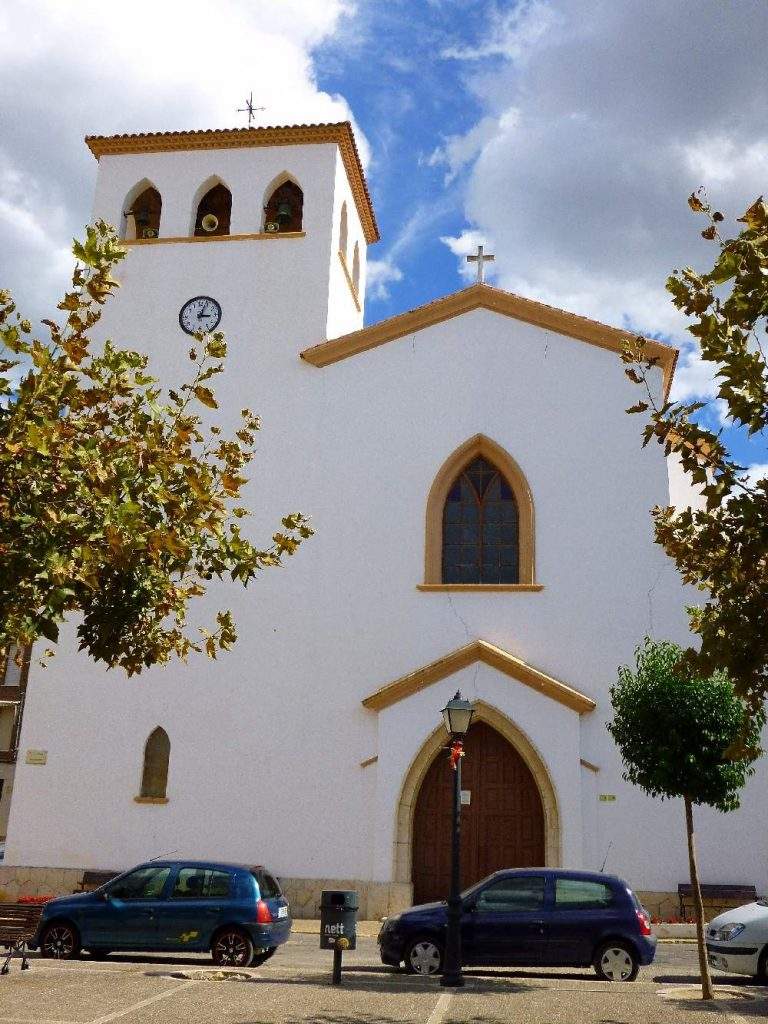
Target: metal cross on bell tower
249,109
481,258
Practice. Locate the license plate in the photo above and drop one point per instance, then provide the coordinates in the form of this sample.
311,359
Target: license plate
282,911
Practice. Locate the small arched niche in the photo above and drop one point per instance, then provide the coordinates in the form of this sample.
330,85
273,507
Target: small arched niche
480,501
141,212
343,230
154,775
214,209
283,206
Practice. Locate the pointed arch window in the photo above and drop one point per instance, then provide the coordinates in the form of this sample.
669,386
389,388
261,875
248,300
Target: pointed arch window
284,210
154,777
481,528
479,522
142,215
213,212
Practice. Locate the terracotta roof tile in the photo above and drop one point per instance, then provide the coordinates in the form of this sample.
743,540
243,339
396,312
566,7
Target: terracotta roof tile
339,133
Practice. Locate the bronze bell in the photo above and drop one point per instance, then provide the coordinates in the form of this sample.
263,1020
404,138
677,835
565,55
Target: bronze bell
141,217
284,211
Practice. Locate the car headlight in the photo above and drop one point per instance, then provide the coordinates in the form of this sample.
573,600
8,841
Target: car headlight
729,931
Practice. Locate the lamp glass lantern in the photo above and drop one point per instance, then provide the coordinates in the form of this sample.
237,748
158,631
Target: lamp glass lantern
457,716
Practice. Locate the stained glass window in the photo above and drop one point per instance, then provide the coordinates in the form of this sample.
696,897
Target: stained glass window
480,528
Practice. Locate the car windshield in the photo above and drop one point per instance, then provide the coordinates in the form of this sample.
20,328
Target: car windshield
473,888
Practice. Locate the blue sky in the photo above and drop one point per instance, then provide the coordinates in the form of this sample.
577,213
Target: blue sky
565,135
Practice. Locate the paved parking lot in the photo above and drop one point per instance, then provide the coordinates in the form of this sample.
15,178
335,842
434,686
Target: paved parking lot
294,988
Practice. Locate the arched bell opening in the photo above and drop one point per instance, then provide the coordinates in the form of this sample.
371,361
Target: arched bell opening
213,213
141,212
284,207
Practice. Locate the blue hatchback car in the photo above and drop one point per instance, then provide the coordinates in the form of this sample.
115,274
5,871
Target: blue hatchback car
238,913
533,917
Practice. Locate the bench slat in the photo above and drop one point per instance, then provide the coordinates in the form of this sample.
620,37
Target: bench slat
18,921
714,892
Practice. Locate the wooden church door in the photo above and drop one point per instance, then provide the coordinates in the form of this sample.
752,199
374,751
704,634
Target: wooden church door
503,826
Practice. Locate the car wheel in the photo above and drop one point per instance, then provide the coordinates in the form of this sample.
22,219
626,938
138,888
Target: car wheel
60,941
424,956
262,956
762,968
232,948
616,961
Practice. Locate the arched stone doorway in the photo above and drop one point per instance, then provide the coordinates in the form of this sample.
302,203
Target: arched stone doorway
512,819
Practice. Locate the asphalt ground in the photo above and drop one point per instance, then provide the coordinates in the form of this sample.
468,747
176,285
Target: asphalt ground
294,987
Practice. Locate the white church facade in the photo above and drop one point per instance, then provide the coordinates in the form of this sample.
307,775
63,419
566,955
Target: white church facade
481,506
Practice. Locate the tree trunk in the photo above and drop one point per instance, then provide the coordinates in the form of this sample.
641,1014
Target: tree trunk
706,978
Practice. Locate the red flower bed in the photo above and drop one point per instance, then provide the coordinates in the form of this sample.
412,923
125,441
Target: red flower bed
34,899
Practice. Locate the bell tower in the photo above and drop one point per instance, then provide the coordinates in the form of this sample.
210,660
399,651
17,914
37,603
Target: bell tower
270,226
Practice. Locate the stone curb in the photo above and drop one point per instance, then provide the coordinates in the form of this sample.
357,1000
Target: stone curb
674,931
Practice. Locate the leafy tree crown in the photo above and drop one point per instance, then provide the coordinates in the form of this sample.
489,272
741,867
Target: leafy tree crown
119,501
722,548
673,730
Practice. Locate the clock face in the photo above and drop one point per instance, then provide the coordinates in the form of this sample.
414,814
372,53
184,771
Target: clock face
200,314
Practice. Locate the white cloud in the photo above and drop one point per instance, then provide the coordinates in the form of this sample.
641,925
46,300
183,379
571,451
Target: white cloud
695,378
465,245
756,472
510,32
67,70
719,161
459,150
379,275
597,121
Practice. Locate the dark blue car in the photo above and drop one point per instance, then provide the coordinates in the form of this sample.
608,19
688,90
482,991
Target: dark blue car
238,913
533,917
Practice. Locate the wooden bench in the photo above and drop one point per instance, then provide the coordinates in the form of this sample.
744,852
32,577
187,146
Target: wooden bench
735,895
93,879
18,923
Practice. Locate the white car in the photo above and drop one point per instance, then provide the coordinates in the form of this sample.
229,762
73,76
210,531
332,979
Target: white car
737,941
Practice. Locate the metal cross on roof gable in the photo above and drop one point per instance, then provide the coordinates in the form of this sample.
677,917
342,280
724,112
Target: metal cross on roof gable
481,258
249,109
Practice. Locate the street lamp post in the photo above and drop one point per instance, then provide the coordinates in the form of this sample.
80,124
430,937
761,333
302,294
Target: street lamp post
457,715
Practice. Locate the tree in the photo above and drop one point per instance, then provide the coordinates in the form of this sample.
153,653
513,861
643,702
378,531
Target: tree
118,501
672,730
722,548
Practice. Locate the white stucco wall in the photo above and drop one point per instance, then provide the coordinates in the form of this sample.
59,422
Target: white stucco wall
266,742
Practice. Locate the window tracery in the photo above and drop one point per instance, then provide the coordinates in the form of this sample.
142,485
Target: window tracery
480,528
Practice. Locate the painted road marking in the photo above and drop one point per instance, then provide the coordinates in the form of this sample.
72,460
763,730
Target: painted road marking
144,1002
441,1008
